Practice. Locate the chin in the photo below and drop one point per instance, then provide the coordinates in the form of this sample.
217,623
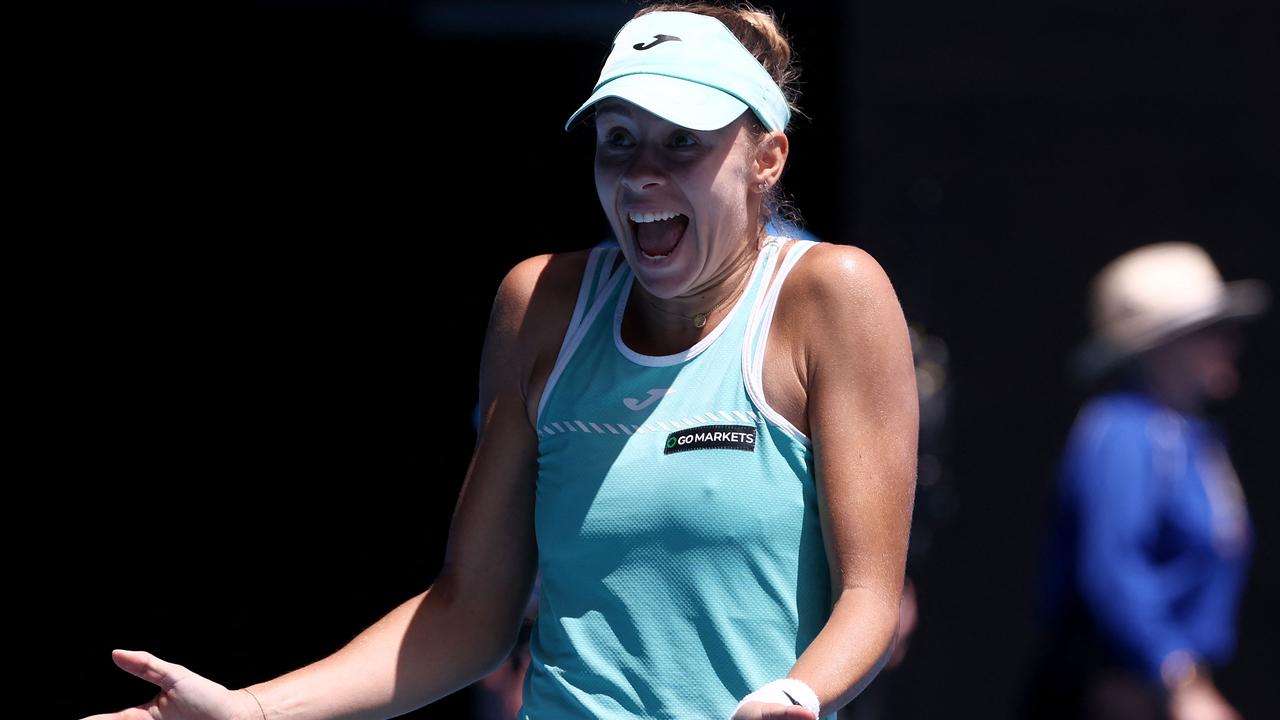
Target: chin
662,287
665,278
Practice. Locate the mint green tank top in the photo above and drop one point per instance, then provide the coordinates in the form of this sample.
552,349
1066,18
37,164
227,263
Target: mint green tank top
679,546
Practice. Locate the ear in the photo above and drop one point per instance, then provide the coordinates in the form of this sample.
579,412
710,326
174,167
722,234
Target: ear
771,158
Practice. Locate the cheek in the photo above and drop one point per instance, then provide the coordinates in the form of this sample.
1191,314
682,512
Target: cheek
1214,366
730,198
734,183
725,190
606,185
1221,382
600,175
607,182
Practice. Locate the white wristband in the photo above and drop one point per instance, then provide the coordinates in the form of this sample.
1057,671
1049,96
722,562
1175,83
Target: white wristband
787,691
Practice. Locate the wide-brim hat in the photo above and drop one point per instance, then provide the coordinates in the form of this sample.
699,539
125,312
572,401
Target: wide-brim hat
1157,293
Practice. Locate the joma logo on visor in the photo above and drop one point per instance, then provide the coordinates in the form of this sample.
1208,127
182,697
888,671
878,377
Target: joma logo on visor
656,40
712,437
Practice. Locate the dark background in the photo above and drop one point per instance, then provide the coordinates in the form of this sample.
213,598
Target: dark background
265,374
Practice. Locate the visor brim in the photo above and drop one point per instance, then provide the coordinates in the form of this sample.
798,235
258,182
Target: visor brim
687,104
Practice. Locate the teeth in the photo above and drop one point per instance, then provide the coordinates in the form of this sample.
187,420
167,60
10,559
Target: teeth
648,217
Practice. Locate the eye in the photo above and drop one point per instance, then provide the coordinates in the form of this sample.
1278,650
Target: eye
683,140
616,138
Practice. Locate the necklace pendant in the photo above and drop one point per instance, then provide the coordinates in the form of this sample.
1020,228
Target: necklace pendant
699,320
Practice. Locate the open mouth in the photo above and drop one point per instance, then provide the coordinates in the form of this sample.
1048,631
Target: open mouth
658,233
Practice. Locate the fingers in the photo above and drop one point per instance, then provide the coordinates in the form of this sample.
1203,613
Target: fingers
149,668
786,712
772,711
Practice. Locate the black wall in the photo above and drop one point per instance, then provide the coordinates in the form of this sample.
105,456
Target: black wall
269,368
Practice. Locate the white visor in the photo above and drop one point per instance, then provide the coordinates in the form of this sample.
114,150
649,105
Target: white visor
688,69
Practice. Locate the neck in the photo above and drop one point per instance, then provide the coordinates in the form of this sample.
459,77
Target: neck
674,322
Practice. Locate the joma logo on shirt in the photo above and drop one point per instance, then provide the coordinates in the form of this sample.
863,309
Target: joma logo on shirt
712,437
654,394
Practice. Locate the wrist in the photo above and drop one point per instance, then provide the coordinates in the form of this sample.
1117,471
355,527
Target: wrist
787,691
251,707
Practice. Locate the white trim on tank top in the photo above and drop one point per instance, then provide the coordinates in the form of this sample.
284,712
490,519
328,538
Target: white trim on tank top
573,338
607,269
767,258
579,305
755,342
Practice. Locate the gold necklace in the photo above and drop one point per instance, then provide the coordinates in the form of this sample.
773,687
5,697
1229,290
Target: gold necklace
700,319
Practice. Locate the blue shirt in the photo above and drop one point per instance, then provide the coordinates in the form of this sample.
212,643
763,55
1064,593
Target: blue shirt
1151,535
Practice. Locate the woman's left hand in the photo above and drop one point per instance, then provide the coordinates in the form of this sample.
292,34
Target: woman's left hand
772,711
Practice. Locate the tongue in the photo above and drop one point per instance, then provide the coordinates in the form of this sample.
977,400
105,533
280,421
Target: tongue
660,238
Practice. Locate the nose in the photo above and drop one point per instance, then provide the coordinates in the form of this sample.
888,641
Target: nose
644,172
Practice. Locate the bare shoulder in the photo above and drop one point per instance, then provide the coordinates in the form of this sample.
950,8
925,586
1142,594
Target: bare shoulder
855,352
530,316
839,287
839,277
537,295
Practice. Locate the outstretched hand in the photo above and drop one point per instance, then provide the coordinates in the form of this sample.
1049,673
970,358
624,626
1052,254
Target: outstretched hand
183,694
772,711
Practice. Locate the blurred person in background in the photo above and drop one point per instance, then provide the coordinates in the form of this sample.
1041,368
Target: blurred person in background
1150,541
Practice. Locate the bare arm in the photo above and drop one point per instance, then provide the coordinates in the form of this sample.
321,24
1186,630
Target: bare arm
466,623
864,422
